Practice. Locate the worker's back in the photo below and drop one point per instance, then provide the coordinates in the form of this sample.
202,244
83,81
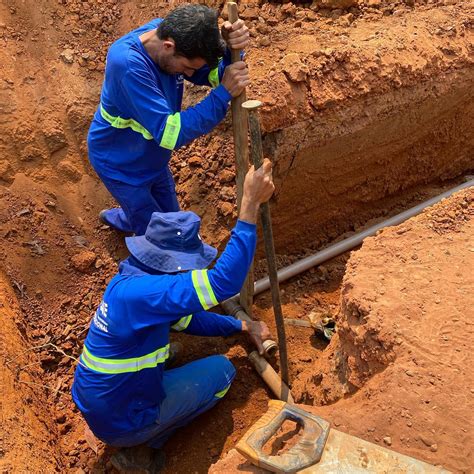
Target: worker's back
117,384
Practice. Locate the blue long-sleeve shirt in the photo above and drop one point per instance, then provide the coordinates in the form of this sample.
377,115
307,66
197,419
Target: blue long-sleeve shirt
139,120
118,382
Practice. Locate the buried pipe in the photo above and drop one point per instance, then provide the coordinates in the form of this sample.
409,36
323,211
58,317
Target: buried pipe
353,241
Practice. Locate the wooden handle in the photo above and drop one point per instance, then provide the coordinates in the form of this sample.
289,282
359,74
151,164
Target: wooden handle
233,13
241,151
271,378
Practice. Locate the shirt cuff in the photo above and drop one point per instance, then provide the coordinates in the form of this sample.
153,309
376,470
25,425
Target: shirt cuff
238,325
244,225
222,93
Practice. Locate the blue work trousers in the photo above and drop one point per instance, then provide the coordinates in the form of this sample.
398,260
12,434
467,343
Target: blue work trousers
190,390
139,202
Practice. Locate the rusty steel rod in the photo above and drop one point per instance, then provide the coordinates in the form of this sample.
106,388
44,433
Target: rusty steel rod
241,153
257,158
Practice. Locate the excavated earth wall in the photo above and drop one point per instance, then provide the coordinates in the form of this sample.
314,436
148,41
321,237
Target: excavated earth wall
26,432
353,117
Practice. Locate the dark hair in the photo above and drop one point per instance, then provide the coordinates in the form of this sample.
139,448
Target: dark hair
195,32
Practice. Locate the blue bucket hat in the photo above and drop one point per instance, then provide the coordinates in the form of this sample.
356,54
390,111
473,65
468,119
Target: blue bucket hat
172,243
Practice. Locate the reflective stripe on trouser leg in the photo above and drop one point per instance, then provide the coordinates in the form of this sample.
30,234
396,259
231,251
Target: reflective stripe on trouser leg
201,380
222,392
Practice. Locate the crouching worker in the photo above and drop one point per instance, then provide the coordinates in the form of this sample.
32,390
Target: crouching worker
121,386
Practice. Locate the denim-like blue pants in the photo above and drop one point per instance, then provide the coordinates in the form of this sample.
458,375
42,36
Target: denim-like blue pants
190,390
139,202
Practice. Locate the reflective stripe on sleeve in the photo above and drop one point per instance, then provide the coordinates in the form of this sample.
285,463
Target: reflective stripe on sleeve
182,324
213,77
203,289
119,122
172,128
121,366
222,392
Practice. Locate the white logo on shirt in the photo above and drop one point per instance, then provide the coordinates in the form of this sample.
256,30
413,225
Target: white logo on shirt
99,316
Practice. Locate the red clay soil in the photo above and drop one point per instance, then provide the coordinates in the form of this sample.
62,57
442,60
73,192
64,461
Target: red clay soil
401,363
366,103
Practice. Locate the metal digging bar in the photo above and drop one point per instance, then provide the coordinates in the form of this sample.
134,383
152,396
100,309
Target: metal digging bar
257,158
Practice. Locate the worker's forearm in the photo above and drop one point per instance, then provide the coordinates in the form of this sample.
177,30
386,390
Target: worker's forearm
248,211
228,274
205,323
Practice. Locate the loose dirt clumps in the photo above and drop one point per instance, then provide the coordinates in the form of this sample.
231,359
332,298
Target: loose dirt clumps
25,434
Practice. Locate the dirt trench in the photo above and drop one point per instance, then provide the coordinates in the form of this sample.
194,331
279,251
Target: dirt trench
367,110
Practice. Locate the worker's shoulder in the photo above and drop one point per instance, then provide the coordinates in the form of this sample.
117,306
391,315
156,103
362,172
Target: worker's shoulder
142,286
123,56
127,52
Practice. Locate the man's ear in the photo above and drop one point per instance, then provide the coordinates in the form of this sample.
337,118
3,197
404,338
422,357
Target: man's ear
169,45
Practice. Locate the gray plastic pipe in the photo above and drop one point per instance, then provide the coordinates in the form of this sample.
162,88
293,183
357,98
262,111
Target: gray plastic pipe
352,241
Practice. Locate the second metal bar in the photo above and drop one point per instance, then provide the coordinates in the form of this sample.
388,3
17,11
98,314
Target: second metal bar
256,153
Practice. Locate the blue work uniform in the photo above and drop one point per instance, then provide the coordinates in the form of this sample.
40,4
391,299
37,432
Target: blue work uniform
120,384
139,123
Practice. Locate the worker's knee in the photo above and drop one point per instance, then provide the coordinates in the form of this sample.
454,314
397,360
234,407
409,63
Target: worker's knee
224,374
224,366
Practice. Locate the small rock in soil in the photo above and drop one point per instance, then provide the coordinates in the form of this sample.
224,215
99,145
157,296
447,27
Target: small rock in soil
67,56
195,161
226,176
226,208
82,261
427,441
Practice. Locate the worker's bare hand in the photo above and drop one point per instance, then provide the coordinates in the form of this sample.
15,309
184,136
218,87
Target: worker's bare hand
258,332
236,35
236,78
258,184
258,188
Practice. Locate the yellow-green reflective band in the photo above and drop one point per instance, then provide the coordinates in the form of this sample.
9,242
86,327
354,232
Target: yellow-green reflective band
170,135
203,289
182,324
222,392
119,122
121,366
213,77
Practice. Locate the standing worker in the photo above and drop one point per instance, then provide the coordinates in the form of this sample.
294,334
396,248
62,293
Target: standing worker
139,120
120,384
